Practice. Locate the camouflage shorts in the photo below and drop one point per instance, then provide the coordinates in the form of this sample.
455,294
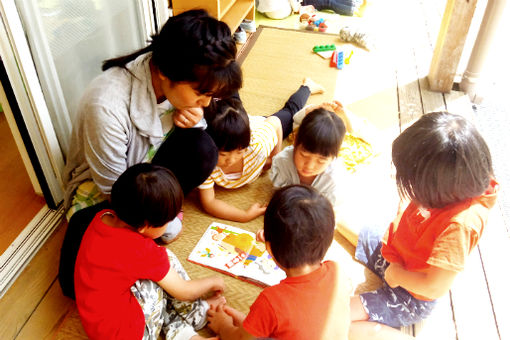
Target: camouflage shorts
178,319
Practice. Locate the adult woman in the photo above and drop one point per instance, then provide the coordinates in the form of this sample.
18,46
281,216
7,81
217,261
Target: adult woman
146,106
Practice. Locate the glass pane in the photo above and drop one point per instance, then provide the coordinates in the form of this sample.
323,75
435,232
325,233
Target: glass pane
69,39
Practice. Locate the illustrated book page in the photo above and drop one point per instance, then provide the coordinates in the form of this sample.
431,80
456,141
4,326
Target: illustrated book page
235,252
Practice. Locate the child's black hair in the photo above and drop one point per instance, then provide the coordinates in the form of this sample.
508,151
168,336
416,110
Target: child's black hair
299,224
228,124
193,47
441,159
146,194
321,132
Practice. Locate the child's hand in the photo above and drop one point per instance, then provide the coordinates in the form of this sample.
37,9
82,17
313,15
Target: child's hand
260,236
334,106
188,118
217,285
237,316
390,275
218,319
338,107
255,211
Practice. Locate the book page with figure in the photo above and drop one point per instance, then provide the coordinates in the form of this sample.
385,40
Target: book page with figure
234,251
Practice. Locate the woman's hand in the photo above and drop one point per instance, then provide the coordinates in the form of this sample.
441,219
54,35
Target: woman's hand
188,118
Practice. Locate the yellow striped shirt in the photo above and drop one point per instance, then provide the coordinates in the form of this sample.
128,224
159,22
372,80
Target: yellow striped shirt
262,142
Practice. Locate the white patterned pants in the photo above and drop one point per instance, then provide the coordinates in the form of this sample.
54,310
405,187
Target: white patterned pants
179,320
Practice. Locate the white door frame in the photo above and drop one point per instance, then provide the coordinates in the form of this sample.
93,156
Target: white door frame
17,59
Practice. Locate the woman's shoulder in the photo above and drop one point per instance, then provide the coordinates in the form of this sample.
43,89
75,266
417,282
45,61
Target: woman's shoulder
111,80
109,92
108,88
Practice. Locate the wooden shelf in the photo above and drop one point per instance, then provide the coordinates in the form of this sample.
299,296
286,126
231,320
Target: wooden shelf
232,12
243,9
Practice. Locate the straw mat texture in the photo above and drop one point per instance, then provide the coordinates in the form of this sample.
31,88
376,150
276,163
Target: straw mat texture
273,68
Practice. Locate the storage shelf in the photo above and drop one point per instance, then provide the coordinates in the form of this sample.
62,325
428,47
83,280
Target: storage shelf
232,12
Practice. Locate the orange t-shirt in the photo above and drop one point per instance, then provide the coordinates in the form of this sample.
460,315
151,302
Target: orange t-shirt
302,307
420,238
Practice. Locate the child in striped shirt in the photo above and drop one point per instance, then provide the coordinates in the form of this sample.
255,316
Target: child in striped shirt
246,145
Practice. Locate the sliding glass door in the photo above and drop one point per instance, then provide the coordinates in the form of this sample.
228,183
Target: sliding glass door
52,49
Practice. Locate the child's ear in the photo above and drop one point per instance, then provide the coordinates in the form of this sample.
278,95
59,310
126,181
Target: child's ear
161,75
260,236
143,229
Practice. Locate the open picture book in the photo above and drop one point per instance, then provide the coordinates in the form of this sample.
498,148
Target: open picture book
234,251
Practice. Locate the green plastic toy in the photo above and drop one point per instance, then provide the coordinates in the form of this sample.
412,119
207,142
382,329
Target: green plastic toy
323,48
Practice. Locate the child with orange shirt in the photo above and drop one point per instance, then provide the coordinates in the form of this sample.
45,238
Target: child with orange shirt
444,167
313,301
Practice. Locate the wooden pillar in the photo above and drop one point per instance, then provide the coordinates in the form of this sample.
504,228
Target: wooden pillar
491,19
450,43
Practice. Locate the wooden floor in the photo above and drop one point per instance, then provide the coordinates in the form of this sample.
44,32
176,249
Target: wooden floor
20,203
475,307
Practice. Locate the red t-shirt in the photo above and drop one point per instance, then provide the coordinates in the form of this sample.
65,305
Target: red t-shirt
443,238
301,307
109,262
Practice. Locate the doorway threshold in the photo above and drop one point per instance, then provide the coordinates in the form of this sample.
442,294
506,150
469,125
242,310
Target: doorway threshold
26,245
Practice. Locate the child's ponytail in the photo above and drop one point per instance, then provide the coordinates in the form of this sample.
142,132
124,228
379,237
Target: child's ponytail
193,47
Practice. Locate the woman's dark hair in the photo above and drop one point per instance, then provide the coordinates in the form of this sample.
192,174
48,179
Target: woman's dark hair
196,48
299,224
228,124
146,194
441,159
321,132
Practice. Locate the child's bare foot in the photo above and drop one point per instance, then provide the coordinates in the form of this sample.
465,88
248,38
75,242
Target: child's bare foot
216,300
313,86
198,337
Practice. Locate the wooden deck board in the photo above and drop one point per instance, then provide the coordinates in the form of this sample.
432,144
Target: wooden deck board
471,302
495,250
43,322
25,295
409,96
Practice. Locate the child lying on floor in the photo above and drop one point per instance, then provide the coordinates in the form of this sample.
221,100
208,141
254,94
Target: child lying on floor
246,144
128,287
313,301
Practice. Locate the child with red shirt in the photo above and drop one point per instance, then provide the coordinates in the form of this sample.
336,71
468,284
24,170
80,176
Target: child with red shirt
313,301
444,167
128,287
